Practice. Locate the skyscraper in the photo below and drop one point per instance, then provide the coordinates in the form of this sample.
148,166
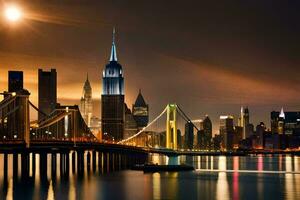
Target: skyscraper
130,125
112,98
285,122
244,121
260,131
207,130
140,111
227,132
86,104
47,91
189,135
15,81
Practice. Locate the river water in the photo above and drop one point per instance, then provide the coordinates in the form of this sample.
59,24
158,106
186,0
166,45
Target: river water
215,177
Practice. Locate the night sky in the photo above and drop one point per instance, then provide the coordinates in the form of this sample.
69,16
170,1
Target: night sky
210,57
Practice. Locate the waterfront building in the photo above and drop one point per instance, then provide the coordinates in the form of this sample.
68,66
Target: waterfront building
95,127
207,130
238,136
244,121
112,98
285,122
260,132
179,139
249,130
140,111
227,131
200,139
47,92
189,135
86,104
15,81
130,126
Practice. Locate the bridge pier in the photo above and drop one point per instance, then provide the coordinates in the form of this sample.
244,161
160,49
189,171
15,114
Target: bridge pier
100,164
67,163
94,154
15,166
80,162
53,165
73,161
173,160
25,165
33,163
64,164
88,161
43,167
105,162
5,167
111,161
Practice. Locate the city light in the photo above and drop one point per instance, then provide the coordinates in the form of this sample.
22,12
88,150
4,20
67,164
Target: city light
13,13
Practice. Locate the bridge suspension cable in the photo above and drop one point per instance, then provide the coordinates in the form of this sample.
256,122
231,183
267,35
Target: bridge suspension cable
38,110
186,118
138,133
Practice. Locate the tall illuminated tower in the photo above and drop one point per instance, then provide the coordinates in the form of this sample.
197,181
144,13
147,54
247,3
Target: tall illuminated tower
244,121
112,98
86,105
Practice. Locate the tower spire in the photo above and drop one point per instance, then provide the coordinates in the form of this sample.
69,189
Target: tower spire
282,115
113,54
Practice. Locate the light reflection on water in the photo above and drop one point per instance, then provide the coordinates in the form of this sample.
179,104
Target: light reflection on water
101,178
236,185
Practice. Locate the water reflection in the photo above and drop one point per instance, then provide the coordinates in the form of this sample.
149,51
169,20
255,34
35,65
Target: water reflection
235,178
96,175
57,175
156,185
222,184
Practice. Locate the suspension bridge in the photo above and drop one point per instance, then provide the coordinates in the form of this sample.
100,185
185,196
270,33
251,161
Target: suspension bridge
66,128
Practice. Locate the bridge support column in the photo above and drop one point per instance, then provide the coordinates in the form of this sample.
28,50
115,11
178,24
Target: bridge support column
43,167
23,99
80,162
88,160
171,127
105,162
53,164
15,166
73,161
94,160
5,168
24,165
100,164
33,163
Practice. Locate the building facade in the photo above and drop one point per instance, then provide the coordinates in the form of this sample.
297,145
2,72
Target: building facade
130,125
15,81
47,92
244,121
112,98
285,122
86,104
189,135
227,132
140,111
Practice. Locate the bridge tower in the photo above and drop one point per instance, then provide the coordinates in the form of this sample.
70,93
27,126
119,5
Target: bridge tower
171,127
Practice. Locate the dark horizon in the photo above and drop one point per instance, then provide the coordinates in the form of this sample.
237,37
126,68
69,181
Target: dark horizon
220,55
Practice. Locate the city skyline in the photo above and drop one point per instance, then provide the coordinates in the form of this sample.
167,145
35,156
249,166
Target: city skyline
210,72
136,99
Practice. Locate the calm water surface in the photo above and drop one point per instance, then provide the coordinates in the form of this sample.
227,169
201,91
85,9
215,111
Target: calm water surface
215,177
